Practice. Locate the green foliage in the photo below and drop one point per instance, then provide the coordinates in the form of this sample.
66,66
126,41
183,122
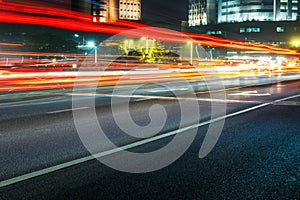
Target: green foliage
154,55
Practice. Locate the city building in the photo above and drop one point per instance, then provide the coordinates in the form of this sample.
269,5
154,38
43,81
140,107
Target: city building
202,12
284,34
275,22
101,10
109,10
257,10
130,10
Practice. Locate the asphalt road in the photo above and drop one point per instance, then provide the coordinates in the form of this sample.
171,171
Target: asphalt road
256,156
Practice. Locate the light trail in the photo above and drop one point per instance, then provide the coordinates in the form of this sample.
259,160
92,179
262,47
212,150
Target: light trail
38,15
33,79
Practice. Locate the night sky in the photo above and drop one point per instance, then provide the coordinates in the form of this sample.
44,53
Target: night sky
165,9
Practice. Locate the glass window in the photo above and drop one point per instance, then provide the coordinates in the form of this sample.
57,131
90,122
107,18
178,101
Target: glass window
279,29
253,30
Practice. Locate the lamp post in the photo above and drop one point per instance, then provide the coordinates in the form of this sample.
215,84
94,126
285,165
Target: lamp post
191,51
91,44
147,43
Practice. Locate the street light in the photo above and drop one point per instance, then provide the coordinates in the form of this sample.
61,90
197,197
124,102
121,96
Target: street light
147,44
296,43
191,51
91,44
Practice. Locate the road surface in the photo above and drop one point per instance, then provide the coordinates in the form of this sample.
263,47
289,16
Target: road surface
256,156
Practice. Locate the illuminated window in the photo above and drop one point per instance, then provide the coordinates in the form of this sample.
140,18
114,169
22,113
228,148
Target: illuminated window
242,30
253,30
279,29
211,32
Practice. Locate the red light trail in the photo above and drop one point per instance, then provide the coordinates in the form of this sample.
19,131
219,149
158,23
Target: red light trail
66,19
53,77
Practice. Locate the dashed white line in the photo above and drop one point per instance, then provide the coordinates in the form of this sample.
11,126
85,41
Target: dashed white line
250,93
67,110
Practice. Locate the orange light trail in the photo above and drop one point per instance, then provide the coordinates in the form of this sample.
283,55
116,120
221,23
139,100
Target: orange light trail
33,79
11,44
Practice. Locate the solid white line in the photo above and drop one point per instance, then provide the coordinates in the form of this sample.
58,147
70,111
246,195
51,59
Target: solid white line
148,97
215,91
66,110
133,145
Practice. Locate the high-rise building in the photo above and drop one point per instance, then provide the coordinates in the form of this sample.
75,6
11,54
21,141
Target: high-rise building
109,10
202,12
101,10
257,10
130,9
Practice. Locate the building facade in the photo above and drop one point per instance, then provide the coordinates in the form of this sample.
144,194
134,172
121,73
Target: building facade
109,10
130,9
101,10
201,12
204,12
275,22
257,10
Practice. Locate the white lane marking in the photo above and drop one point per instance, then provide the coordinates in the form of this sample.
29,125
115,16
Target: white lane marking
149,97
220,90
250,93
183,98
288,103
18,103
132,145
85,94
168,90
66,110
138,100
